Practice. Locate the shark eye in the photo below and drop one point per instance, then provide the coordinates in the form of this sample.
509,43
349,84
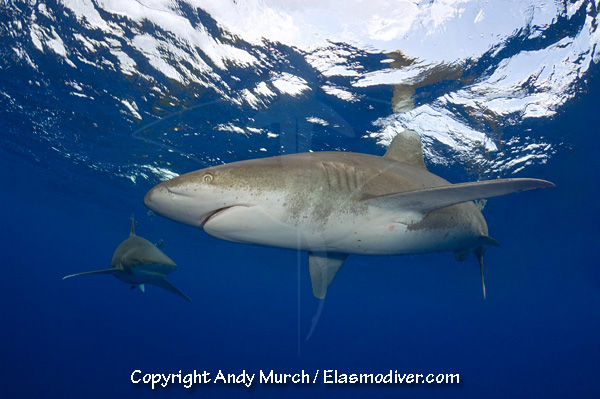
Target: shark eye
207,178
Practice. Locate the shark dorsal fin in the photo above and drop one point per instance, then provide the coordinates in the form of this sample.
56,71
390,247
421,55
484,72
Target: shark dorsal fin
406,147
132,230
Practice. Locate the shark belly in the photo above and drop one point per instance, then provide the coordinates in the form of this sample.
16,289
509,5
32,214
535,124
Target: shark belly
143,273
372,232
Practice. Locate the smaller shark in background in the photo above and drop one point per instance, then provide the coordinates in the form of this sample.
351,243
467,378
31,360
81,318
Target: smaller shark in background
137,261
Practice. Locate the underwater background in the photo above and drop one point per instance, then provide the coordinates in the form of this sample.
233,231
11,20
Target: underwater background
102,100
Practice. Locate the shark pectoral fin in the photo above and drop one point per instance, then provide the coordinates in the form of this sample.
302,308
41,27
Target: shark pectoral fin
105,271
323,267
142,288
421,202
165,284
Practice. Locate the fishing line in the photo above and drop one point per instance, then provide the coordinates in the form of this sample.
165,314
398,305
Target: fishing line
136,134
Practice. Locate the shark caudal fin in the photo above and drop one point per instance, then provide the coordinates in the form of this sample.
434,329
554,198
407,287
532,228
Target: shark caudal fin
484,241
166,285
479,254
105,271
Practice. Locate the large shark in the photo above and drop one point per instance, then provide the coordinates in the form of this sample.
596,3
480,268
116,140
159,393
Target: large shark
137,261
332,204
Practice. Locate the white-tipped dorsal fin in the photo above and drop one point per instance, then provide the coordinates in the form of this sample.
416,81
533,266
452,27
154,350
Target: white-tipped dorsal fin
414,205
406,147
132,230
323,267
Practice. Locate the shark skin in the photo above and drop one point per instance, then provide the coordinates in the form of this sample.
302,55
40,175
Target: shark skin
137,262
332,204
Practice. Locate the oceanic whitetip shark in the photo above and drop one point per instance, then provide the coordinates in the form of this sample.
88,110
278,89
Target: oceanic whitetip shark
137,261
332,204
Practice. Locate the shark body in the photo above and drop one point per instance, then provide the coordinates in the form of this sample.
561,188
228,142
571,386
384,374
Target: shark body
332,204
137,262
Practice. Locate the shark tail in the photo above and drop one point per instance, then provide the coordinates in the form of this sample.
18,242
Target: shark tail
479,252
105,271
484,242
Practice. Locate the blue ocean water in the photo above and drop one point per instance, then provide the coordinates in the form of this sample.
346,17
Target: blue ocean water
83,143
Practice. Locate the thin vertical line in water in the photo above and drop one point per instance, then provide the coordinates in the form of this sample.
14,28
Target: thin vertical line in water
298,277
298,261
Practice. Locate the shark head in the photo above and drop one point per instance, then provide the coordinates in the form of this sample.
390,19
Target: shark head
193,198
200,197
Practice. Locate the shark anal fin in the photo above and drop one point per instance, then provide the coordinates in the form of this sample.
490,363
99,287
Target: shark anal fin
323,267
105,271
415,205
165,284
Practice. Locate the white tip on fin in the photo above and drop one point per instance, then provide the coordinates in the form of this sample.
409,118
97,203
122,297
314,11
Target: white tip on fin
142,288
165,284
323,268
416,204
105,271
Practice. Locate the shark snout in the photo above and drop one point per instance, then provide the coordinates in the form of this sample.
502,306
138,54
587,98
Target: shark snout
184,203
151,196
163,201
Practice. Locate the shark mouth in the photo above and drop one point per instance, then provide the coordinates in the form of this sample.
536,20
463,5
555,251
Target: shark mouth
205,218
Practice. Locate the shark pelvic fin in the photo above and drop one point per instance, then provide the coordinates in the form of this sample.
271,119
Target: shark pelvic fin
105,271
142,288
415,205
479,254
165,284
323,267
461,255
406,147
